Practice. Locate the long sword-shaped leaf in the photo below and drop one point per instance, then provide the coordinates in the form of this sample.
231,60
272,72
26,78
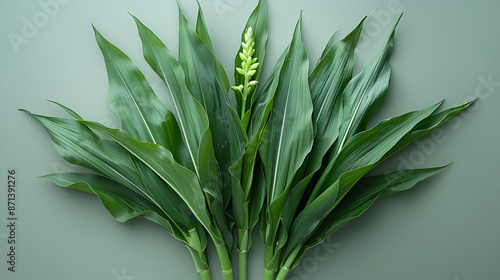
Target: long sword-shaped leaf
141,112
194,124
202,31
183,181
427,125
366,191
131,97
360,155
306,222
368,147
197,60
193,121
362,196
364,94
153,185
422,128
79,145
372,188
175,143
288,136
229,138
326,82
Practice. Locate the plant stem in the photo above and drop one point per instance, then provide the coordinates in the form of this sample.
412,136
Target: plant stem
268,257
225,260
244,96
243,106
283,273
268,274
286,267
242,269
243,247
205,275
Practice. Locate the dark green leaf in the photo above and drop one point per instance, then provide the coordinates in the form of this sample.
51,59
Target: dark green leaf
79,145
368,147
183,181
427,125
229,138
131,97
174,143
202,31
362,196
193,121
288,136
364,94
310,218
326,83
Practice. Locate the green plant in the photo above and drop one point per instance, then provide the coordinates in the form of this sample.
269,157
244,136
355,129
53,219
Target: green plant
295,151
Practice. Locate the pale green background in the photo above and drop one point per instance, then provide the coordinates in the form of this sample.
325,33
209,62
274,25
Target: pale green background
447,228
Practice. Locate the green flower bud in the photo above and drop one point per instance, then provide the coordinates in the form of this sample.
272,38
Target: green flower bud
237,88
252,83
249,34
241,71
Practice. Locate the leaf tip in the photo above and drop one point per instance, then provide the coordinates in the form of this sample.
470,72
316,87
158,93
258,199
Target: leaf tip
46,176
472,101
399,18
363,20
97,34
